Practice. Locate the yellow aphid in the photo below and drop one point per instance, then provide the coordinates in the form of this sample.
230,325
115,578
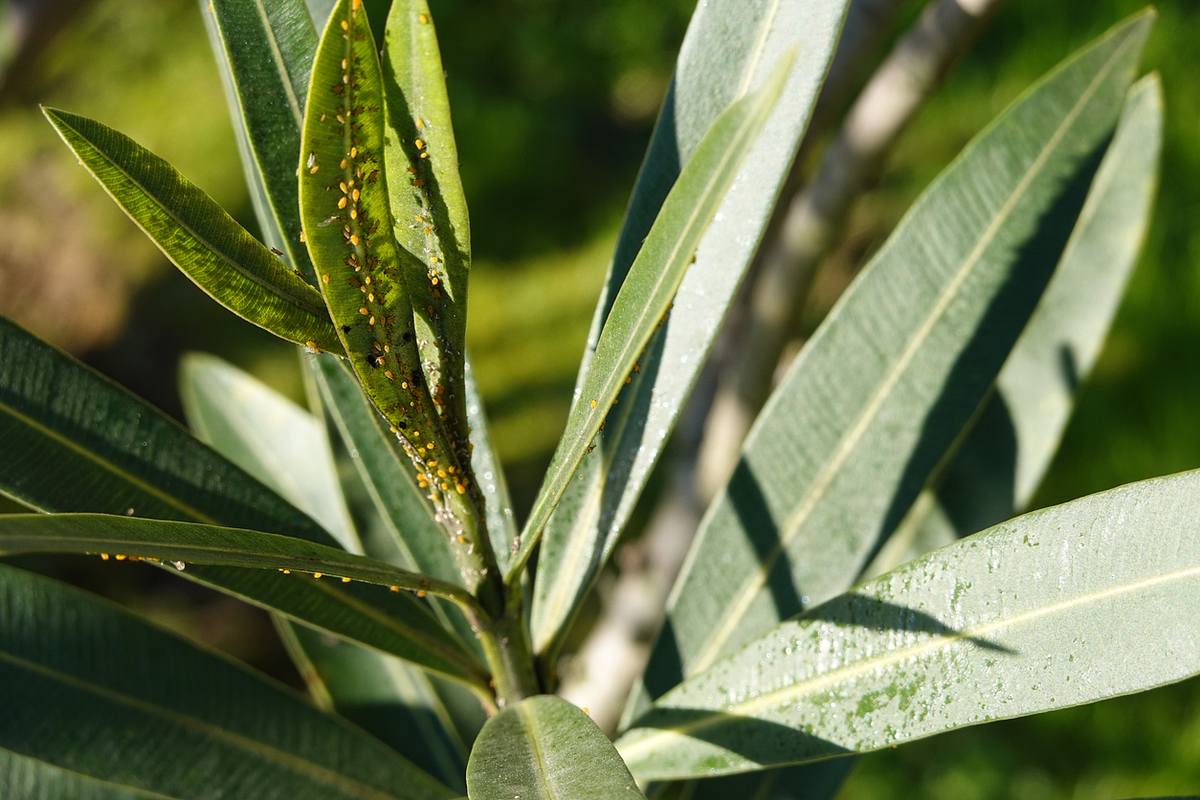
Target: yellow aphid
387,373
345,25
355,195
460,488
302,240
345,63
354,240
343,187
367,280
354,152
345,579
356,5
120,556
423,19
434,281
318,575
420,143
286,571
421,593
442,473
325,278
344,163
104,556
311,345
394,588
363,311
342,120
342,203
314,169
353,212
593,404
371,320
424,154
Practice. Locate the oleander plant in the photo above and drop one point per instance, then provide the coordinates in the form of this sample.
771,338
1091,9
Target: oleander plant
864,579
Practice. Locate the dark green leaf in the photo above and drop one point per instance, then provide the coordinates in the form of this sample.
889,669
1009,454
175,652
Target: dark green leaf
105,696
207,245
897,369
545,748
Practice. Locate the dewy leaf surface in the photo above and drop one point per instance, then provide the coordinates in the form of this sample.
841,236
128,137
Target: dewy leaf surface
646,294
897,368
76,442
1092,599
199,237
1000,463
728,51
544,748
100,695
429,209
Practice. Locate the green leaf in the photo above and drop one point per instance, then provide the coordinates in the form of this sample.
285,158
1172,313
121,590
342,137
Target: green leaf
268,47
111,700
184,543
728,51
897,369
267,435
429,210
32,779
999,464
646,294
391,700
363,272
489,472
207,244
1073,604
288,449
544,748
75,441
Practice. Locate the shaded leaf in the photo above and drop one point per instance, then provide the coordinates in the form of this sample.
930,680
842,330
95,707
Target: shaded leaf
544,748
897,368
268,48
729,49
121,715
75,441
198,236
1001,461
647,292
185,543
1073,604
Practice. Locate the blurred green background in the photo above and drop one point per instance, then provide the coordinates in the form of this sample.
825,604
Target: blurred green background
553,102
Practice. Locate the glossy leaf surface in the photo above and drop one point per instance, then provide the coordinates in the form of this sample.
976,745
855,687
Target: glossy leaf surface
159,716
199,237
544,748
897,369
1073,604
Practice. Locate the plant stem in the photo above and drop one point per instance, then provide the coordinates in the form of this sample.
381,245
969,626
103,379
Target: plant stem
506,647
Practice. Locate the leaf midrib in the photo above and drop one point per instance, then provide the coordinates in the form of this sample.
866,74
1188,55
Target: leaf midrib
284,293
735,610
254,747
824,681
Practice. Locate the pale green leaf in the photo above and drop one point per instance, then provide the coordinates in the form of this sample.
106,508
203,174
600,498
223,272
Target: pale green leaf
199,237
728,51
1073,604
1001,461
103,698
648,290
905,357
544,748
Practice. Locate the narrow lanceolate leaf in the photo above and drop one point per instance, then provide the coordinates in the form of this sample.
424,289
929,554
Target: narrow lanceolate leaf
267,435
429,210
728,51
33,779
346,218
268,47
998,466
544,748
897,369
489,472
1073,604
646,295
207,244
112,701
184,543
75,441
287,448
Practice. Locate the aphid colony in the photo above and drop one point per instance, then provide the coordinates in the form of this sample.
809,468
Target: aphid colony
411,401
